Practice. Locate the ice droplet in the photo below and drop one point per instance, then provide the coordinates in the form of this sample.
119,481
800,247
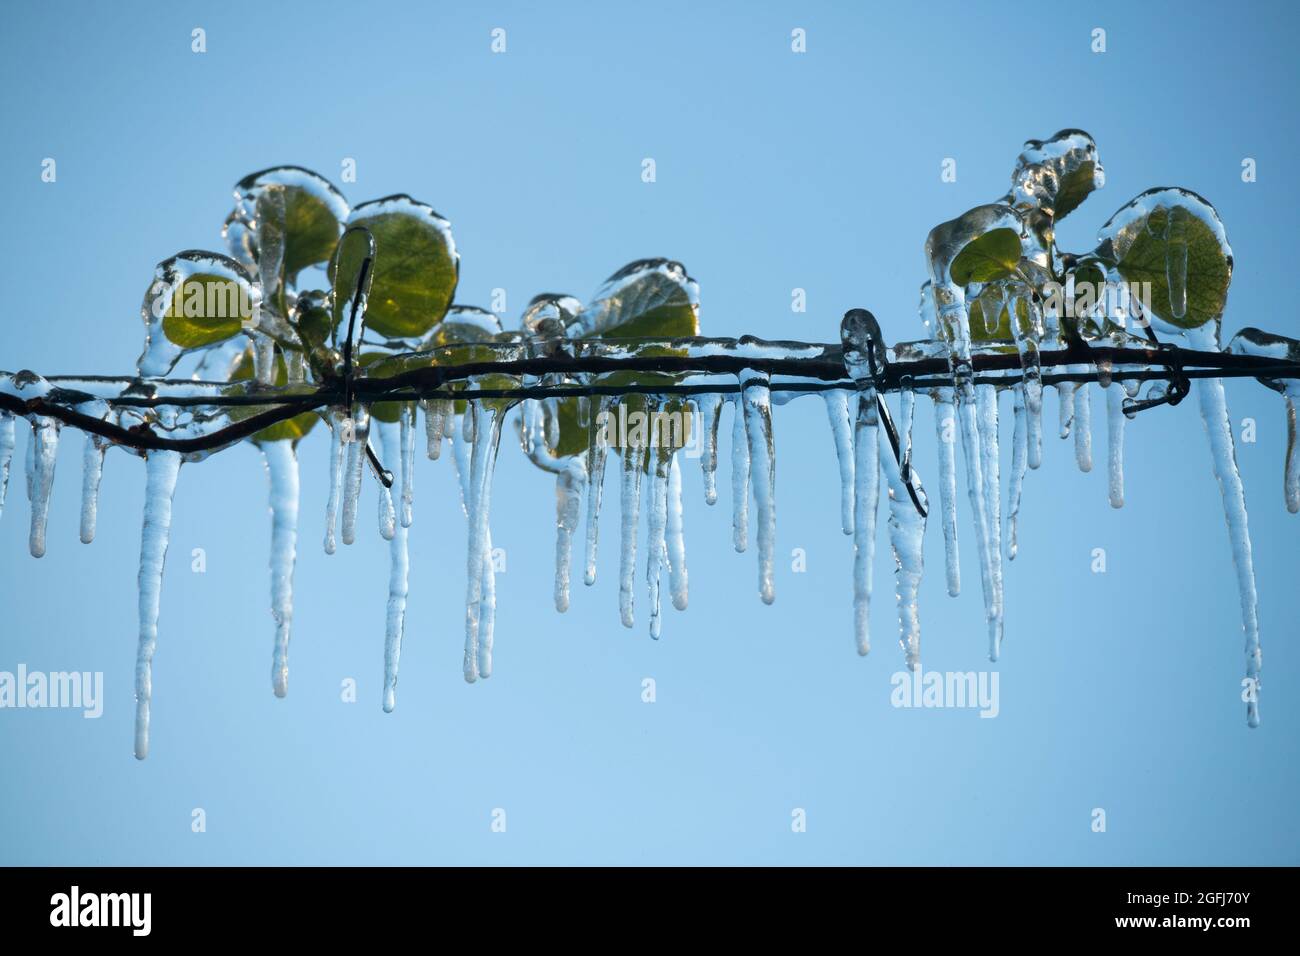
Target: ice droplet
161,469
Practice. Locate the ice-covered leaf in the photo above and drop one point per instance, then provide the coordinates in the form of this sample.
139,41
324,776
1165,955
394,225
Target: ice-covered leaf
987,258
416,266
196,299
1174,240
648,298
294,209
1071,156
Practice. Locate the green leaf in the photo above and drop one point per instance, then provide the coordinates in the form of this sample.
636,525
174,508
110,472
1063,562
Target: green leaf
355,247
292,429
648,298
416,266
1175,241
1076,185
992,256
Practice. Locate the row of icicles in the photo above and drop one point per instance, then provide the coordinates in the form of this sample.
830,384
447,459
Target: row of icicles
475,435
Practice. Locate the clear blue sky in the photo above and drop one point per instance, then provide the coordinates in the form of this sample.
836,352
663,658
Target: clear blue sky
775,170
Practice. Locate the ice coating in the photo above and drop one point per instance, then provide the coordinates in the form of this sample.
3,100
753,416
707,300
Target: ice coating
161,468
282,469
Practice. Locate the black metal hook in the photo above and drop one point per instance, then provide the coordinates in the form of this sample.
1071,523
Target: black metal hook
1179,384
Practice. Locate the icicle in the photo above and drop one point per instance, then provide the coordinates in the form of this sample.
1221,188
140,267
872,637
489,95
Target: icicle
1214,413
92,470
656,533
407,458
340,437
570,483
387,511
677,577
1028,336
866,477
42,452
710,406
986,398
1019,459
1034,424
354,469
437,412
282,467
263,359
1115,444
945,425
485,425
487,613
757,405
841,419
392,436
1082,424
739,478
1065,407
161,469
1291,476
906,535
6,453
597,455
634,457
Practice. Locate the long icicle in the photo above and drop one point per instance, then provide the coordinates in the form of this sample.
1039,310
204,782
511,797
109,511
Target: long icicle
677,576
597,456
757,403
1115,421
945,426
42,453
739,478
406,457
710,407
394,438
356,461
866,471
92,470
1291,471
841,421
634,457
1214,414
906,536
340,436
486,428
1019,460
282,468
657,533
161,469
1083,422
6,454
570,484
986,398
